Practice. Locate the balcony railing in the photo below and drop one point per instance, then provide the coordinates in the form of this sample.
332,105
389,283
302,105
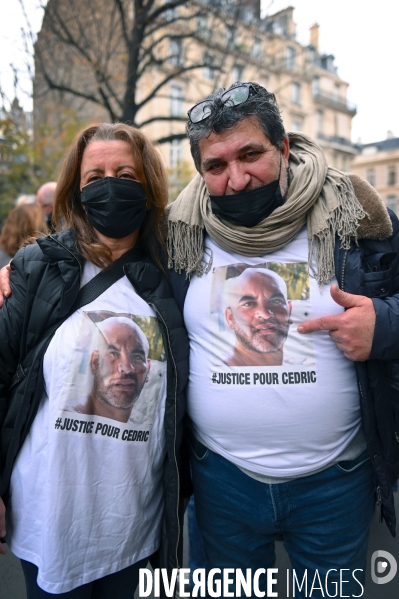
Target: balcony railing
333,101
335,139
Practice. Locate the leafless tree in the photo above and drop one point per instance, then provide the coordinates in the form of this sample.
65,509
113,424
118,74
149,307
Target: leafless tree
120,54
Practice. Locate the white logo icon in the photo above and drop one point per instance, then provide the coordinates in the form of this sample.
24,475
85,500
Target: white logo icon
383,567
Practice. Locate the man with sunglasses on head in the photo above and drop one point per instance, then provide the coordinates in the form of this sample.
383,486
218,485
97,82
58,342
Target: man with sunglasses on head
302,456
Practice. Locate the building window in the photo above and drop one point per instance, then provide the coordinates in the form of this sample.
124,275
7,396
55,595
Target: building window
230,37
209,71
175,152
344,162
319,123
392,175
176,100
296,93
248,15
290,58
296,125
202,25
392,202
175,52
237,73
279,27
170,14
337,91
311,53
257,48
316,86
370,176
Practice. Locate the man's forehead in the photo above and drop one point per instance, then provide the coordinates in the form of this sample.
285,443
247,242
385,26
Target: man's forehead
260,279
247,132
255,282
121,334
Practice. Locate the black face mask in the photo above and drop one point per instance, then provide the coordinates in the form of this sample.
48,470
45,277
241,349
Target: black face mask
249,208
115,207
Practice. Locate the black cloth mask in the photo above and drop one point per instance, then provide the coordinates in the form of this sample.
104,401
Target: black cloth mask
115,207
249,208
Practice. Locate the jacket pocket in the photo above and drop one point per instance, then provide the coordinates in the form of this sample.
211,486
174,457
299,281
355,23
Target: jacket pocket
377,275
349,466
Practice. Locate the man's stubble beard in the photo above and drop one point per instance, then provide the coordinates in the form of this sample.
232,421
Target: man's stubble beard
104,395
261,346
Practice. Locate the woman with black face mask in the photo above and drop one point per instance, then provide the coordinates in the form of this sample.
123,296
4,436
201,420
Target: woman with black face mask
93,365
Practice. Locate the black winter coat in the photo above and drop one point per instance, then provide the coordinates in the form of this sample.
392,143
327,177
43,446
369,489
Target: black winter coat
45,281
372,269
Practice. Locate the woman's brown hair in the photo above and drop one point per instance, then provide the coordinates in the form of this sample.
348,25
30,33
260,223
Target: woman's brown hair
23,222
68,209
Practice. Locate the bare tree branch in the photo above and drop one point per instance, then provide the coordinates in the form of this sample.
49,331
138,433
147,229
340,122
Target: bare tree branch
65,88
160,40
171,137
166,80
160,10
111,53
155,119
177,20
122,15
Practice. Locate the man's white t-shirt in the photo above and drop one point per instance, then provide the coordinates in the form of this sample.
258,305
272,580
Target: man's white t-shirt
86,491
276,420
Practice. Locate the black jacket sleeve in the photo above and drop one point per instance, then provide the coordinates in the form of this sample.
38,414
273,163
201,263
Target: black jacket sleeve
12,317
386,333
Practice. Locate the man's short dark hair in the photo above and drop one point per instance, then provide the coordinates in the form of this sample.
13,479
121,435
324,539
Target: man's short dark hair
260,104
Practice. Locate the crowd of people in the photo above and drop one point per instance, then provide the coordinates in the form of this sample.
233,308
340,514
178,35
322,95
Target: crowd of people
241,344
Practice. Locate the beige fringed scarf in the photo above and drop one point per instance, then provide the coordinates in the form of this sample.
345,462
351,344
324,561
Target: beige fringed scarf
321,197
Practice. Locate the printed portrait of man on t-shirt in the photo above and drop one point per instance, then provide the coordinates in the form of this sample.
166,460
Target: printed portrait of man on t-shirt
258,312
256,307
120,368
117,367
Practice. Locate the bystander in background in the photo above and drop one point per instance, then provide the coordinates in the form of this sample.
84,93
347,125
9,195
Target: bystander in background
25,198
45,199
23,222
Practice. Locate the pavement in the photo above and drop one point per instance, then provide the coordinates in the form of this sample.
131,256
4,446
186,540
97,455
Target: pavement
12,584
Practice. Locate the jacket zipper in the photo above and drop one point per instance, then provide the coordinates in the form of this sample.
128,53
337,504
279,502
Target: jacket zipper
343,289
174,440
343,269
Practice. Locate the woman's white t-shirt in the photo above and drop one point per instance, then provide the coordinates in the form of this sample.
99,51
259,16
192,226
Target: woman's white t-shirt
86,490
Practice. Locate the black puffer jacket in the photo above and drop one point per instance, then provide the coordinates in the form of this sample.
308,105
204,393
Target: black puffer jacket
372,269
45,281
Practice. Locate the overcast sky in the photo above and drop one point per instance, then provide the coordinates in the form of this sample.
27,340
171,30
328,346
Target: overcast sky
362,36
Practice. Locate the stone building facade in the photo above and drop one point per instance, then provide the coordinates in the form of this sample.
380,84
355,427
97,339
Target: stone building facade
378,163
311,95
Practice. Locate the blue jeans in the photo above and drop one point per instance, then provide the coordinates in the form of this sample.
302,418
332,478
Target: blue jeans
120,585
324,519
196,555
